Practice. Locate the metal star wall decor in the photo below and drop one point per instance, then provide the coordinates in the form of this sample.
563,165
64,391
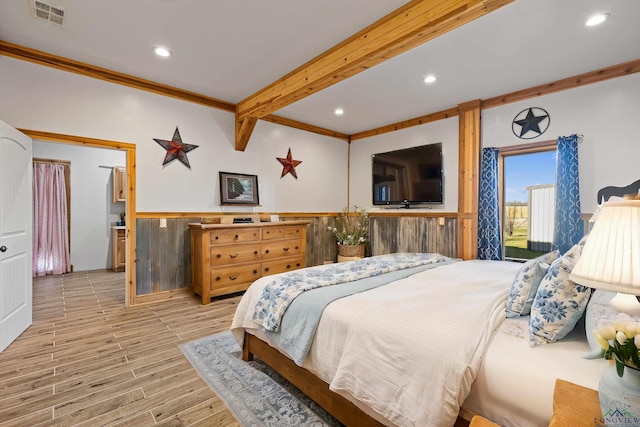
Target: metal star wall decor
176,149
530,123
289,165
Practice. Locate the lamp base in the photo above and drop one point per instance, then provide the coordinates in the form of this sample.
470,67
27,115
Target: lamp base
626,303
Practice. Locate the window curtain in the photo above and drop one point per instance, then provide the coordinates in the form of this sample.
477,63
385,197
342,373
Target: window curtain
489,245
50,233
568,228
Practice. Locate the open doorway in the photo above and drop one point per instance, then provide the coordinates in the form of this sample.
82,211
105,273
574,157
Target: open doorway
129,151
93,212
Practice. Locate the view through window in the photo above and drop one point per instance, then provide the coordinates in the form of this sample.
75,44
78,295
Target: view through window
529,197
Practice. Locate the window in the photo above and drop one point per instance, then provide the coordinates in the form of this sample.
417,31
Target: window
528,189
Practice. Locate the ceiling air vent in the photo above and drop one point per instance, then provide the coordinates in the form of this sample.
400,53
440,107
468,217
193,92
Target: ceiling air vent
47,12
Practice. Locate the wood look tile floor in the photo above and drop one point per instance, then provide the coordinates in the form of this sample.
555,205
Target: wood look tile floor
88,360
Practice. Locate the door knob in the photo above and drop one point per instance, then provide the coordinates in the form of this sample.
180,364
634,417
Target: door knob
3,248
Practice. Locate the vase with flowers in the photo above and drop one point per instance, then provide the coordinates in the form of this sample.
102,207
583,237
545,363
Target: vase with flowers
619,387
352,233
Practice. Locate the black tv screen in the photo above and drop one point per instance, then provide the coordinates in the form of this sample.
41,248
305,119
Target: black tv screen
408,176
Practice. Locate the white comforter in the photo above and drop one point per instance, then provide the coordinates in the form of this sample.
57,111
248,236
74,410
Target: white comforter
408,352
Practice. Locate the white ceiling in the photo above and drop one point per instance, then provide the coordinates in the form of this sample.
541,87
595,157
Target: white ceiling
231,49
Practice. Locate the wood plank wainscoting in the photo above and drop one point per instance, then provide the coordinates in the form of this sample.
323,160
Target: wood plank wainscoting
163,256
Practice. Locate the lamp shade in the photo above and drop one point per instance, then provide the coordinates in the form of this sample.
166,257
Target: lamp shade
610,259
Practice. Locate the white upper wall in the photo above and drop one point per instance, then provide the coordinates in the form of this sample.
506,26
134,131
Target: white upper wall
445,131
43,98
47,99
605,113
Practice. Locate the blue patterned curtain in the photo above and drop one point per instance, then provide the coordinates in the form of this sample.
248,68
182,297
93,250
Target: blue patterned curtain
489,246
568,227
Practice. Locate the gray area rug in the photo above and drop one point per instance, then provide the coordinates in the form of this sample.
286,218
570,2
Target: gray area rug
253,392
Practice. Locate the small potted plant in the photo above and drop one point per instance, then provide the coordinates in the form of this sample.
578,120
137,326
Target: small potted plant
620,393
352,233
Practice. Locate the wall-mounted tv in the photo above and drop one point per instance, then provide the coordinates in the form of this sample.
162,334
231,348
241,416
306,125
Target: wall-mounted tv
408,176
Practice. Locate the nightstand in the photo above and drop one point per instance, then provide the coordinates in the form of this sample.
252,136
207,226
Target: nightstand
478,421
575,405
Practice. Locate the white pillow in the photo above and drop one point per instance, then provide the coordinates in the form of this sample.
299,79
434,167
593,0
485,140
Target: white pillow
525,284
558,305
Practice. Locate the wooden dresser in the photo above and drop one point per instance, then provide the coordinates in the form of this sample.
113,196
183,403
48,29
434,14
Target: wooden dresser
227,258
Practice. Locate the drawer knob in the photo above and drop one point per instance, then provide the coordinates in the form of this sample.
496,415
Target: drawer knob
217,278
285,249
233,256
266,269
267,251
296,248
288,265
235,237
255,252
233,277
255,271
218,255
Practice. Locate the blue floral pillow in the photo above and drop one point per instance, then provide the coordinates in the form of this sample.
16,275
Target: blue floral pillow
525,284
558,305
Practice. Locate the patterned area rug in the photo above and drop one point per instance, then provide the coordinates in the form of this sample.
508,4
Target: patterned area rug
254,393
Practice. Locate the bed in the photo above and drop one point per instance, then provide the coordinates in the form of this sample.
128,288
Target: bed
369,347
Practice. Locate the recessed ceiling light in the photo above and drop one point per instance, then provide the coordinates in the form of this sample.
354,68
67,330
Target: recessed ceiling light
429,79
338,112
597,19
162,51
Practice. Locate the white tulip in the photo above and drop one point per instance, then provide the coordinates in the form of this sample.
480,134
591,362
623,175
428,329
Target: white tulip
621,337
631,331
619,325
602,341
607,332
636,341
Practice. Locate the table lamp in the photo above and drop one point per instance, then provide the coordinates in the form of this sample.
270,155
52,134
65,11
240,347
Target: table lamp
610,259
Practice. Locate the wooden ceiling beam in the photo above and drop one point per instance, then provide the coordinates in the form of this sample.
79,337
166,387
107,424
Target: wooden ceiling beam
244,128
43,58
305,126
411,25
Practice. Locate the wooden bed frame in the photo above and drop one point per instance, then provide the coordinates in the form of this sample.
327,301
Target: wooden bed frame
317,390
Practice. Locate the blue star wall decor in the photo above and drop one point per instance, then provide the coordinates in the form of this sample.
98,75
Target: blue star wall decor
176,149
530,123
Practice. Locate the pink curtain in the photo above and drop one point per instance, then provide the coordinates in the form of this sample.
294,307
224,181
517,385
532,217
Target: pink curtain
50,232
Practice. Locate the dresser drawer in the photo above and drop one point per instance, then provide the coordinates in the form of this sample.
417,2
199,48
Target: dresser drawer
291,232
270,233
230,276
234,254
221,237
281,249
274,267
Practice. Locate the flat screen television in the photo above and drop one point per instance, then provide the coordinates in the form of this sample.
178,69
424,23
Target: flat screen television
408,176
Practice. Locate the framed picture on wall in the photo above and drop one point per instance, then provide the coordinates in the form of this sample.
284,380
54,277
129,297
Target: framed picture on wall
238,189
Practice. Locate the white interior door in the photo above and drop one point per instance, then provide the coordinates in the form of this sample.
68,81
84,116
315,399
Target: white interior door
15,233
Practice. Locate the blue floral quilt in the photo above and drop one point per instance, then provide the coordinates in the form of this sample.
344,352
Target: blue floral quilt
278,294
